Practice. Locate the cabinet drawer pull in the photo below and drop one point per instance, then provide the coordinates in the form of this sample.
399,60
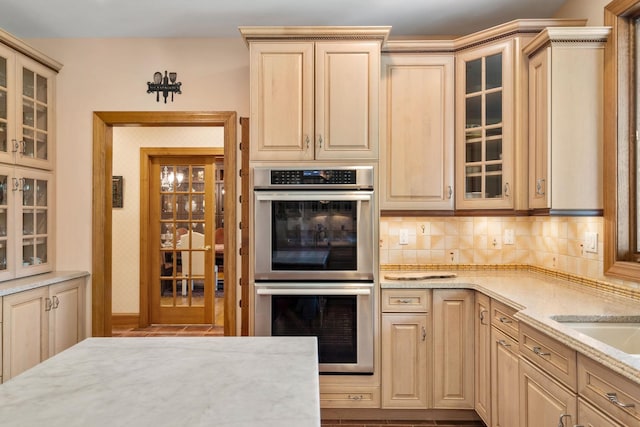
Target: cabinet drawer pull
48,304
538,351
561,419
424,334
507,190
56,302
450,192
613,398
356,397
505,320
403,301
307,141
320,140
482,312
503,343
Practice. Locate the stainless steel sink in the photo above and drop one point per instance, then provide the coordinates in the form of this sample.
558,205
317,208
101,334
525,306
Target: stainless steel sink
623,335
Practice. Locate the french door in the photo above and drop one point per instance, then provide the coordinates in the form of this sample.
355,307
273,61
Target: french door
182,206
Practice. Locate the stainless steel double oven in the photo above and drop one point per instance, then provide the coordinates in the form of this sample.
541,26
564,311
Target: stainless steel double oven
314,260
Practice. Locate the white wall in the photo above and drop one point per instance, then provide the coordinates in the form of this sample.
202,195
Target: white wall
112,75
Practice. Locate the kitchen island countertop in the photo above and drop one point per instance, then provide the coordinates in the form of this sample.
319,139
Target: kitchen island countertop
174,381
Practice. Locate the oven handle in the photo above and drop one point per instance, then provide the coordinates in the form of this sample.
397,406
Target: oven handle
314,196
312,291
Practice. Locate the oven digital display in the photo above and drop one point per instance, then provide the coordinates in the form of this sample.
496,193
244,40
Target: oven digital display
313,176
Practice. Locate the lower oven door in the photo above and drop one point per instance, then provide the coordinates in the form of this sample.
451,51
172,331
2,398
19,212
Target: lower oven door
340,315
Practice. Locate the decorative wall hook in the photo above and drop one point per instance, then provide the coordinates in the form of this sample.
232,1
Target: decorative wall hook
161,84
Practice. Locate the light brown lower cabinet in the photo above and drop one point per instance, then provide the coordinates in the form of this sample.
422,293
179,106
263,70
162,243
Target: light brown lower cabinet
40,323
588,416
544,401
406,342
505,404
482,358
453,349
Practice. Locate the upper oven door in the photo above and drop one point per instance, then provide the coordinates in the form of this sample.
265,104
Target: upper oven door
322,235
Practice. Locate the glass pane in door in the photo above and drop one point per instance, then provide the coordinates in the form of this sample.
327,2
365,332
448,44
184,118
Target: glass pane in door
483,128
182,228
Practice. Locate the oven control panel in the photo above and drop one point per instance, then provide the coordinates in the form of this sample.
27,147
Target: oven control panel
313,176
342,177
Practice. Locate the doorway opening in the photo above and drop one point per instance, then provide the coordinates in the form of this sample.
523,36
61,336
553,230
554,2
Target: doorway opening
102,265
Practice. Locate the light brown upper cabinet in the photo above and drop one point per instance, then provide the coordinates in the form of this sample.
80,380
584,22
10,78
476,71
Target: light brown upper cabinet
491,115
314,92
27,131
416,131
566,68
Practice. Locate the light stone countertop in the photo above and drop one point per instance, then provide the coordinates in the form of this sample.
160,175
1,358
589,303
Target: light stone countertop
31,282
540,299
174,381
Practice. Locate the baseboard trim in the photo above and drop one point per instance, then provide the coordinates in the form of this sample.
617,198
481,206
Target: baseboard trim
125,320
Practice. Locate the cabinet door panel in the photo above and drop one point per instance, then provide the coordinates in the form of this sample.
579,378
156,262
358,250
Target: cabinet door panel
67,315
282,96
453,348
417,127
404,359
542,400
483,357
24,331
504,380
347,81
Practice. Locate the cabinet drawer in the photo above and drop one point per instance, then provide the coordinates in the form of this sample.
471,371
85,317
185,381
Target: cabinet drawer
502,318
589,416
552,356
406,300
338,396
610,392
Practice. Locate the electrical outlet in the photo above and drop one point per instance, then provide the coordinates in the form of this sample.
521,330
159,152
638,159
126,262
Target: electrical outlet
509,237
591,242
404,236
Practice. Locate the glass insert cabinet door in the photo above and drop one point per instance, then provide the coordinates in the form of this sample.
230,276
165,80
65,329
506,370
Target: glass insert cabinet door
32,145
484,147
25,223
26,99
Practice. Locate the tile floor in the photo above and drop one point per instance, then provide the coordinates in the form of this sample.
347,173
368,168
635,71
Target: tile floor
209,330
392,423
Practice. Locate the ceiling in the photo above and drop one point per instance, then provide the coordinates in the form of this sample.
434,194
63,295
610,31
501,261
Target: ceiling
217,18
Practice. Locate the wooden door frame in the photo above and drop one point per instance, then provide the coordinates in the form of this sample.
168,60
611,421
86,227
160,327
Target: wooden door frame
147,154
103,123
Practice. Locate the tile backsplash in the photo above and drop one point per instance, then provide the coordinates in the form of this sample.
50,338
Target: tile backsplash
554,243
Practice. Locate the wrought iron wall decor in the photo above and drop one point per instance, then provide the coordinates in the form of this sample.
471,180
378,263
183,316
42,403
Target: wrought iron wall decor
161,84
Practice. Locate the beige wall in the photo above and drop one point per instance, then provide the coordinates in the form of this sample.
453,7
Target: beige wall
112,75
592,10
